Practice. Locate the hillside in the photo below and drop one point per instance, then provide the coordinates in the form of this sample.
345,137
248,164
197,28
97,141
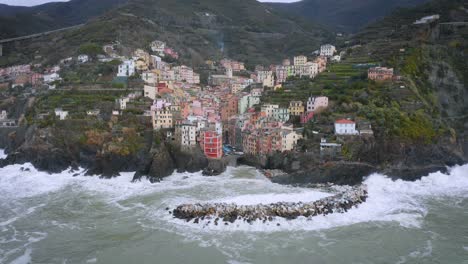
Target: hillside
199,30
344,15
422,115
19,21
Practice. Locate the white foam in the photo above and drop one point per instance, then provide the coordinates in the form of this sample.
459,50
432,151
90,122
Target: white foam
23,259
398,201
3,155
301,196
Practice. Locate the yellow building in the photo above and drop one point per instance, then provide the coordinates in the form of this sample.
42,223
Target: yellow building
296,108
162,118
141,65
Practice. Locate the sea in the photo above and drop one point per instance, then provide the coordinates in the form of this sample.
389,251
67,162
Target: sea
73,218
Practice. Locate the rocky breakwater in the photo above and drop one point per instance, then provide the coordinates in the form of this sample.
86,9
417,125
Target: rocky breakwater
229,213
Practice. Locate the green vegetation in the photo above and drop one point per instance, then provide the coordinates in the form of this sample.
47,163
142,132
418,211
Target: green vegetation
90,49
254,37
89,73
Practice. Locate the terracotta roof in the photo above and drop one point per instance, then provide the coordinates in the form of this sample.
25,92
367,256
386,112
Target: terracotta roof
344,121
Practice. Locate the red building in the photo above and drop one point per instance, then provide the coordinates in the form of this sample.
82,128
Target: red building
212,144
163,88
306,117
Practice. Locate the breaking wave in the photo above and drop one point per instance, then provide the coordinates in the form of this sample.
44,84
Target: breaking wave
389,201
30,195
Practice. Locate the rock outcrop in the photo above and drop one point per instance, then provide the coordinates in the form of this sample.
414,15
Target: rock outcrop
224,212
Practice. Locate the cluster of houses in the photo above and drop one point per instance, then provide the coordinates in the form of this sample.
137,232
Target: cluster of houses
301,66
223,113
36,75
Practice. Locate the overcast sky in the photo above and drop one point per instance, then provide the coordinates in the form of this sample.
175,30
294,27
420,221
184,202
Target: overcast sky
38,2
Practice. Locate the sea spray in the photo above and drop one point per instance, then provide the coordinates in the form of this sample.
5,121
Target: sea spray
89,212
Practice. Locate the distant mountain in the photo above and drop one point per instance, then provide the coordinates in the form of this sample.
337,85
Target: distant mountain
6,10
344,15
199,29
18,21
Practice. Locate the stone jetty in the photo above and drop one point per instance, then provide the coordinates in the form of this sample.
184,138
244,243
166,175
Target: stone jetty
228,212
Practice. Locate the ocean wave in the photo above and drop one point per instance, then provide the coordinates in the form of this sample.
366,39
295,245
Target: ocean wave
398,201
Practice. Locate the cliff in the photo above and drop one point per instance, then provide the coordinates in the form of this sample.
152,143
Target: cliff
63,146
394,158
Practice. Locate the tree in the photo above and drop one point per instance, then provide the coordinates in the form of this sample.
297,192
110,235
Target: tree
90,49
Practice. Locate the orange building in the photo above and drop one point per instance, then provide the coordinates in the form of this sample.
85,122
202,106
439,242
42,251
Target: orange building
229,108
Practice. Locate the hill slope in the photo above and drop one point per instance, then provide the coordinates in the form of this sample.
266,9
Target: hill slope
344,15
19,21
199,29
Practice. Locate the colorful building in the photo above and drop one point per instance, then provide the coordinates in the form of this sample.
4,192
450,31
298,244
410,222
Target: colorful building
316,103
212,144
380,74
296,108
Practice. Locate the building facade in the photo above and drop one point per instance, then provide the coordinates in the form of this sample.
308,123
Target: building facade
380,74
315,103
345,127
296,108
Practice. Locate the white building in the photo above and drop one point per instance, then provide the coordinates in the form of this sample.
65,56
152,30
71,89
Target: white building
49,78
289,139
83,58
345,127
186,134
310,69
150,91
336,58
427,19
62,115
300,60
263,75
122,102
149,77
126,69
269,109
3,115
315,103
158,46
327,50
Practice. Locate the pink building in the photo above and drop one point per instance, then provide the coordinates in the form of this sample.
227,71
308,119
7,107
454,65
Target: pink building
380,74
171,53
316,103
281,74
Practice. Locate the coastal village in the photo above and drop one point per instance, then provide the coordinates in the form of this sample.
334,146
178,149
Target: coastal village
224,116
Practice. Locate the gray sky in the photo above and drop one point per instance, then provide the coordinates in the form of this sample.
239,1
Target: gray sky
38,2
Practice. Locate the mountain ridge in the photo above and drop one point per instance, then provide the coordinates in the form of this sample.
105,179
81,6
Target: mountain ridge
199,30
344,15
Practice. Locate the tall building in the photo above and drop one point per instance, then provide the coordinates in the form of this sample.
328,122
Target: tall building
212,144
